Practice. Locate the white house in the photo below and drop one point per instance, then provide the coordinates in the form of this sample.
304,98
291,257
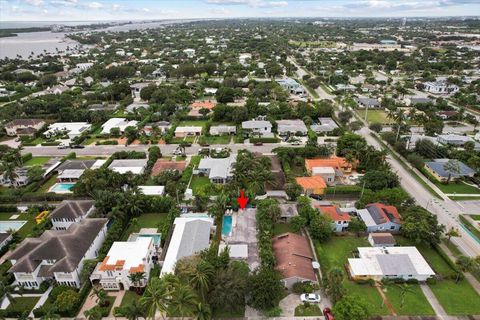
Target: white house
72,129
189,52
120,123
136,88
440,87
258,126
152,190
135,166
378,263
222,130
218,170
70,211
57,254
122,260
295,126
190,236
184,131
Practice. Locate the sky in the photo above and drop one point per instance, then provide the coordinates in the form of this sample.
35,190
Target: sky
84,10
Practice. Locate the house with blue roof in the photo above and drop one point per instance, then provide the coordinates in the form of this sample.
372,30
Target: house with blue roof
437,168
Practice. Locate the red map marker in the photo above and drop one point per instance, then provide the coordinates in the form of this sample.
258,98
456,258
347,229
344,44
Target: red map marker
242,200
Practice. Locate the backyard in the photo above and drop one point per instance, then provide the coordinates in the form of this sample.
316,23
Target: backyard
37,161
146,220
379,116
27,228
199,184
23,304
216,139
280,228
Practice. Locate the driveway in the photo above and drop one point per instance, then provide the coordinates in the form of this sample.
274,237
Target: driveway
288,304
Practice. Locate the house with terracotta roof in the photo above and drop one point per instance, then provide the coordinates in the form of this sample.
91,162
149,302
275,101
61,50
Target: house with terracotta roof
294,259
196,106
339,164
379,217
168,165
312,185
122,260
340,219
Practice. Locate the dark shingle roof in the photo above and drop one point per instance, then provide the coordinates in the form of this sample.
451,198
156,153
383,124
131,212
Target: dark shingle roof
66,247
72,209
76,165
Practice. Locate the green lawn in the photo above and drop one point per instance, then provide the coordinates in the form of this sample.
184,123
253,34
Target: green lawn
216,139
309,310
280,228
457,298
199,184
129,298
369,294
47,185
179,140
146,220
379,116
453,248
475,217
195,160
37,161
458,188
230,315
23,304
414,303
473,230
27,228
193,123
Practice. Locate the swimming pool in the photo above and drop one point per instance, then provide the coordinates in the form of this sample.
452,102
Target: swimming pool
64,187
156,237
11,225
227,225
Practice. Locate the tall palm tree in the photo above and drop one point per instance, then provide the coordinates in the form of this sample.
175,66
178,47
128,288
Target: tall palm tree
453,232
202,277
184,301
404,289
101,296
9,172
202,312
137,279
6,292
157,297
93,314
50,315
451,166
133,311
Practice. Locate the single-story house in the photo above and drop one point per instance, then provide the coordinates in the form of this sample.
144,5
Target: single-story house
190,236
287,212
235,251
21,127
222,130
122,260
378,217
294,259
136,88
324,125
339,164
412,101
131,108
367,102
292,86
340,219
440,87
57,254
437,169
218,170
378,263
457,140
69,212
20,180
295,127
196,106
152,190
135,166
120,123
181,132
159,126
312,185
257,126
72,129
381,239
167,165
72,170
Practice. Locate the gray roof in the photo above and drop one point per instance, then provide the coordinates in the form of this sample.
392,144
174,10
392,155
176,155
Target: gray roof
381,217
288,210
396,264
437,165
195,238
295,125
253,124
217,167
128,163
72,209
66,247
368,101
76,165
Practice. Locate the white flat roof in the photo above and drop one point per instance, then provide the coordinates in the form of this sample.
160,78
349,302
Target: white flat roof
366,217
237,251
71,173
132,252
152,190
98,164
123,170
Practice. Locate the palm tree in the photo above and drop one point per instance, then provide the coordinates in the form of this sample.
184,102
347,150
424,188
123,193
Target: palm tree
157,297
6,292
467,264
404,289
50,315
9,172
137,279
453,232
333,285
202,312
451,166
101,296
202,277
133,311
93,314
184,301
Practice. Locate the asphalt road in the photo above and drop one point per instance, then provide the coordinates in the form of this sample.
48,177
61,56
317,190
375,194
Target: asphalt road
446,210
164,148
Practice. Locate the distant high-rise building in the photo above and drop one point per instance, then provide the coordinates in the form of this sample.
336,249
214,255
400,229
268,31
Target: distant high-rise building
404,22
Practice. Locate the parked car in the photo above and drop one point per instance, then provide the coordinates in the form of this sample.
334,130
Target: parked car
62,146
258,143
76,146
177,152
327,313
296,143
310,297
316,196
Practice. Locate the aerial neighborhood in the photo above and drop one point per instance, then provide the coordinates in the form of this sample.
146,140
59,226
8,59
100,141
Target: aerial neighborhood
246,168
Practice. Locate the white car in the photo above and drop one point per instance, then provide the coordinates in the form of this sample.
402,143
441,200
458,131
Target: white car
310,297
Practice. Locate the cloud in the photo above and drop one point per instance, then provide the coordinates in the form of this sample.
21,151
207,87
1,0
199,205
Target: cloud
64,3
250,3
35,3
94,5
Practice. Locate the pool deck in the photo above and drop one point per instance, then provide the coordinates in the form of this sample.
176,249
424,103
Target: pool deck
52,189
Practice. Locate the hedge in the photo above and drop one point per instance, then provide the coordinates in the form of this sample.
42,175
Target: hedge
26,157
8,208
344,189
264,140
105,143
50,144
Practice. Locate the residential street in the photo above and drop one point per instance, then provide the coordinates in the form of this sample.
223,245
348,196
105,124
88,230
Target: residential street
446,210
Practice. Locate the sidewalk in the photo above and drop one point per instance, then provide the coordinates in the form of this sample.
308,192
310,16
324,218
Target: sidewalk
437,307
470,278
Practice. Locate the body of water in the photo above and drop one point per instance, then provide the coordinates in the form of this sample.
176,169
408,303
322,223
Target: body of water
6,226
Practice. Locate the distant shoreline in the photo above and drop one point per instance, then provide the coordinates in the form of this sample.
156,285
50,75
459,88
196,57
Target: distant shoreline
4,33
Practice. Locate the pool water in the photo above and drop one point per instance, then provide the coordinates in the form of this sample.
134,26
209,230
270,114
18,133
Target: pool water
156,237
64,187
11,225
227,225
